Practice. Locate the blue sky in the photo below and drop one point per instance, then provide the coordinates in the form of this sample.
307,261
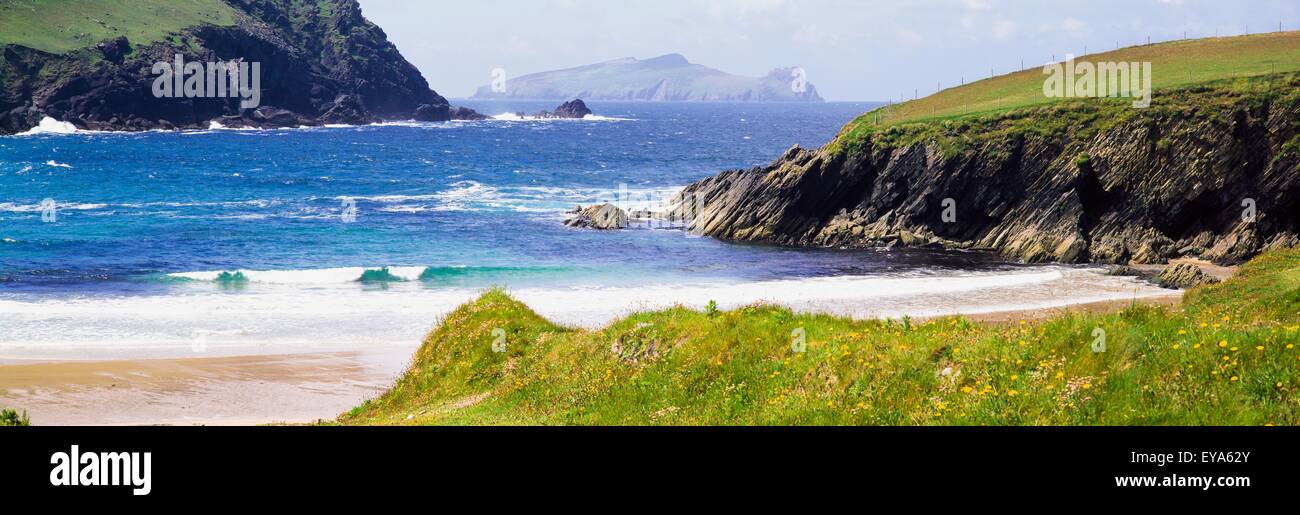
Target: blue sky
851,49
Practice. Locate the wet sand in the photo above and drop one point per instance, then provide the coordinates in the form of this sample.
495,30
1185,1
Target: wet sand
242,390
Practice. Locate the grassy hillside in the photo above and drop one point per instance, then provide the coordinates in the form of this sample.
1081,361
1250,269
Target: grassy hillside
1229,356
60,26
1076,119
1174,64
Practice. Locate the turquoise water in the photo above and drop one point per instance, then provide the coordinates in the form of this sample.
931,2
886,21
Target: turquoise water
475,203
236,242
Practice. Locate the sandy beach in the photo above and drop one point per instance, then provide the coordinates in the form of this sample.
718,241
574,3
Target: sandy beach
264,389
239,390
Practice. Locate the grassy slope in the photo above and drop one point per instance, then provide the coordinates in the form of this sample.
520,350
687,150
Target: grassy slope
1228,357
1174,64
1077,119
60,26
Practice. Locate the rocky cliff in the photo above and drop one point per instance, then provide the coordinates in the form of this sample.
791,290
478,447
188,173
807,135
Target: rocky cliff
1211,171
320,62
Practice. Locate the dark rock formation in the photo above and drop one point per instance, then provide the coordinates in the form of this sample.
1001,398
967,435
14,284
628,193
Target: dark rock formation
465,113
602,216
1183,276
317,66
432,113
573,109
1210,172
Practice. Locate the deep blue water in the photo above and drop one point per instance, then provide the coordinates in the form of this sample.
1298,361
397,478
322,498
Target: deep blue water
474,203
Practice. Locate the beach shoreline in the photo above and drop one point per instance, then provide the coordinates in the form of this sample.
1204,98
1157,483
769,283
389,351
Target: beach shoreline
297,388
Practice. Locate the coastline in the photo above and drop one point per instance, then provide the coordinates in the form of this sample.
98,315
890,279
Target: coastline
298,388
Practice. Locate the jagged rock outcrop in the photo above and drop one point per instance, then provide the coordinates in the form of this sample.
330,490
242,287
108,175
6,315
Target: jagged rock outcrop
1182,276
573,109
601,216
320,62
1207,172
467,114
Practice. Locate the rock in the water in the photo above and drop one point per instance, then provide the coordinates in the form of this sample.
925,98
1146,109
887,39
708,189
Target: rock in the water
602,216
573,109
467,114
1183,276
432,113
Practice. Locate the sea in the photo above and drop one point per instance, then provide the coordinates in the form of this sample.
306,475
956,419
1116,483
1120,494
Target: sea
239,242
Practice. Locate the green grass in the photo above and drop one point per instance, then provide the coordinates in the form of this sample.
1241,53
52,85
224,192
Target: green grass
1227,357
1075,120
12,418
1174,65
61,26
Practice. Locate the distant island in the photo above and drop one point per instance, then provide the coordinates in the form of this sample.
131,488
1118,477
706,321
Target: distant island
668,78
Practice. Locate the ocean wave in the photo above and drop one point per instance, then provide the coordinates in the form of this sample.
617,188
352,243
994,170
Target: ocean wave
345,275
50,126
473,196
322,276
515,117
280,318
31,208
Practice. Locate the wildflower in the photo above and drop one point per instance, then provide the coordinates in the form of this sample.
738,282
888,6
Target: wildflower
1290,346
967,389
1223,343
1234,378
1182,331
1234,349
1012,393
1015,377
1259,347
1176,346
1087,386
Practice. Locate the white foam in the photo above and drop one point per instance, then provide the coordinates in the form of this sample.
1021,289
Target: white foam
31,208
307,310
516,117
57,164
323,276
50,126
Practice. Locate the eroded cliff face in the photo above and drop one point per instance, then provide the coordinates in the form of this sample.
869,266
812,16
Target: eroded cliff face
1210,172
321,62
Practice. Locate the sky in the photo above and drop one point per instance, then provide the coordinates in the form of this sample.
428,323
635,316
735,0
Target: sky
852,50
